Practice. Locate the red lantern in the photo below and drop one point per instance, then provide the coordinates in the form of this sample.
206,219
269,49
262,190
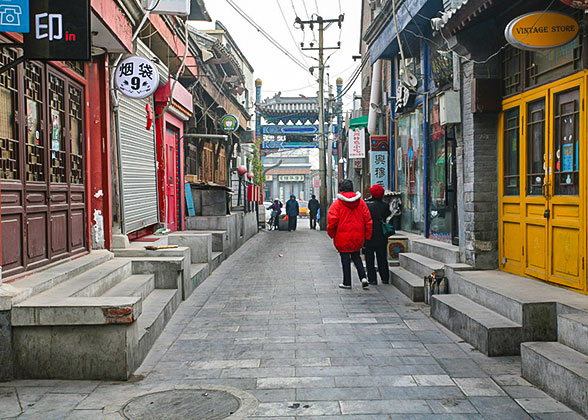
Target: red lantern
578,4
250,175
241,170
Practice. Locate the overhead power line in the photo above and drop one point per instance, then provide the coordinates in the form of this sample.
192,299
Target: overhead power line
267,36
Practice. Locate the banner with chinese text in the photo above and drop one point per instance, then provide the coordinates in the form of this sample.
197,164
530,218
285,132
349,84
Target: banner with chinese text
357,143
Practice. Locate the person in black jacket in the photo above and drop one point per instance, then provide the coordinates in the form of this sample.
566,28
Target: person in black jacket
292,209
313,208
378,243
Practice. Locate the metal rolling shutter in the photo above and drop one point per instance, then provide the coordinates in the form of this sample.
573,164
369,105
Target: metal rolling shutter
139,204
138,169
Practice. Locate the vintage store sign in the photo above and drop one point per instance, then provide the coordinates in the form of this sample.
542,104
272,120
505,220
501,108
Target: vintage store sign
137,77
58,30
541,30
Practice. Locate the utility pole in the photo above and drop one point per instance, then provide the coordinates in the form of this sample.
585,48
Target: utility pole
322,143
330,149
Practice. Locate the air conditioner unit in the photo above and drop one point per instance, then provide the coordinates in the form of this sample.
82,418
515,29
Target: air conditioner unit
449,108
167,7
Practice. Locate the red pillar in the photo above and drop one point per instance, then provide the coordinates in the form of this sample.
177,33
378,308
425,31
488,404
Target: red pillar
99,150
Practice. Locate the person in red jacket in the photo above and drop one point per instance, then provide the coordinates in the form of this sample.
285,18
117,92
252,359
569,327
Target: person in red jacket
349,223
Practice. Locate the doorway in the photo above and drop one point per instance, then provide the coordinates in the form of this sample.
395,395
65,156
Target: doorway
543,182
172,178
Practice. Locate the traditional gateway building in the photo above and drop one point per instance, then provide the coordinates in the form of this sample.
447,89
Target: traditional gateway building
490,153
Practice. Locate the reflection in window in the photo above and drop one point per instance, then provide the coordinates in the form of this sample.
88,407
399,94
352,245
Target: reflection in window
511,152
535,147
566,137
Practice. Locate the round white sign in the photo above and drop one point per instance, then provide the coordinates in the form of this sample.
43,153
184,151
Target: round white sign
137,77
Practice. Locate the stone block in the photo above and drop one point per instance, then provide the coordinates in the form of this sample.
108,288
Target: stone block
408,283
572,331
6,356
214,202
200,245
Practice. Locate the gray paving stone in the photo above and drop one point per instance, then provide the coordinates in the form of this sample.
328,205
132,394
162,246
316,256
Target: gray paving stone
499,408
542,405
298,408
421,392
384,407
9,403
52,407
337,394
479,387
452,406
85,415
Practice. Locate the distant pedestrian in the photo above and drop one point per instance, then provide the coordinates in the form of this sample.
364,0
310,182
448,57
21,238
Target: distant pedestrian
349,223
378,243
276,209
292,210
313,208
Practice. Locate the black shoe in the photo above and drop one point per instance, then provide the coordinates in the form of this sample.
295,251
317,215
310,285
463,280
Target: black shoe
373,283
385,282
364,283
344,286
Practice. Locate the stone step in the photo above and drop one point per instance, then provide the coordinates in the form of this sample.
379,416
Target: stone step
158,309
572,331
436,250
217,259
140,285
49,276
559,371
408,283
198,273
200,244
219,238
420,265
95,281
486,330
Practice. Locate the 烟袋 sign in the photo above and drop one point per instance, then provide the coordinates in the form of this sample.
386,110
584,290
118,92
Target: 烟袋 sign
579,4
541,30
137,77
58,30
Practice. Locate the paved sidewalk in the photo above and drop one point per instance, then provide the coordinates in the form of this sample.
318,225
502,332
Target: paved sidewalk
280,329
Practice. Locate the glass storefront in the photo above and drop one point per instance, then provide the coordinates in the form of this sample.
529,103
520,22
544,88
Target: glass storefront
410,170
442,181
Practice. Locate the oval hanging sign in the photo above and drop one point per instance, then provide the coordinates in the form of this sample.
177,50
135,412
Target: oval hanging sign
137,77
229,123
578,4
541,30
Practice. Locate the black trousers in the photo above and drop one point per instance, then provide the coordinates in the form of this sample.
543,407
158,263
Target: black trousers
382,256
292,222
312,220
346,258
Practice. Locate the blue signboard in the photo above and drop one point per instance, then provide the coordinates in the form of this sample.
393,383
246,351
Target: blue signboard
14,16
294,129
379,169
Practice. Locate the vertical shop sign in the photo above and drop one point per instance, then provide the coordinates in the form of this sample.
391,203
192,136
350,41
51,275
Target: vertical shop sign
379,169
357,143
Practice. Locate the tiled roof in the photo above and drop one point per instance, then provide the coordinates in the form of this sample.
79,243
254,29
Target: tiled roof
293,171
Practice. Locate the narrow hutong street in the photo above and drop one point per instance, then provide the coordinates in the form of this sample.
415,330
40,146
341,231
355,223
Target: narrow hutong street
272,322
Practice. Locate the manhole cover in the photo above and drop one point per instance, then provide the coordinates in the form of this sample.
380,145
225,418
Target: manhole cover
182,404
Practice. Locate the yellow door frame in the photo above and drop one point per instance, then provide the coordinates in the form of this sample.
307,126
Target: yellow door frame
524,210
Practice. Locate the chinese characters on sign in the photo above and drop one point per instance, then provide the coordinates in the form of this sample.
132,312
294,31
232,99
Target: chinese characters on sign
137,77
291,178
357,143
379,169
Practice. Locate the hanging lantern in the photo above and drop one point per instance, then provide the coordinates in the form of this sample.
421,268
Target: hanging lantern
241,170
250,175
578,4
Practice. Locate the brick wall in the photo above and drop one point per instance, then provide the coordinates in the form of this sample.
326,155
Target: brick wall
478,171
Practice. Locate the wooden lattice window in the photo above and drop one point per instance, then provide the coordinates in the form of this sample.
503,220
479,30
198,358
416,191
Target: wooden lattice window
57,149
9,151
76,135
35,145
511,69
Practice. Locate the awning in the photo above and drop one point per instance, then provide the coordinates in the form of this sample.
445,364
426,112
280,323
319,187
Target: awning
359,122
410,14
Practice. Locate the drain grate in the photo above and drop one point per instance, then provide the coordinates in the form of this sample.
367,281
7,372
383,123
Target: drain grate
182,404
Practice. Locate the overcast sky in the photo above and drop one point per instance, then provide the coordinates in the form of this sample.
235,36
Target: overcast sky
276,70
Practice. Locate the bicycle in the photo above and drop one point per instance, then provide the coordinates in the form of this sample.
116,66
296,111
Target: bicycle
272,225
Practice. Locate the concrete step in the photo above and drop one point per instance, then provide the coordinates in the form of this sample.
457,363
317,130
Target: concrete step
512,297
47,277
217,259
420,265
486,330
140,285
219,238
200,244
559,371
572,331
436,250
408,283
198,273
158,309
93,282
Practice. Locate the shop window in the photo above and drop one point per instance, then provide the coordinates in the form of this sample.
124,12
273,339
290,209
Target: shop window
545,66
35,145
535,147
76,137
410,169
566,137
9,152
511,69
511,152
57,159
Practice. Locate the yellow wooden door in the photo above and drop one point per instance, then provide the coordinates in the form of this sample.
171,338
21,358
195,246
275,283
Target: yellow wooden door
533,188
565,187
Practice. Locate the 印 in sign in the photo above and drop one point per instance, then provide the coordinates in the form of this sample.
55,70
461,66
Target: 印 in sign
541,30
357,143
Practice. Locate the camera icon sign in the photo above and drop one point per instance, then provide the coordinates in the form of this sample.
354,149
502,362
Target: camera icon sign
10,15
